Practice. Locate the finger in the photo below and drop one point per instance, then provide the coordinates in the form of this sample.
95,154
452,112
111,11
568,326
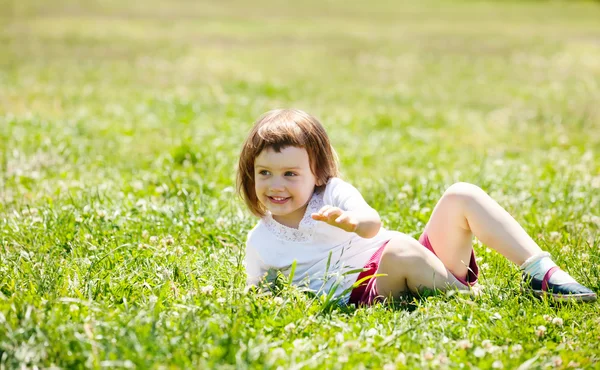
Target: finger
324,209
333,211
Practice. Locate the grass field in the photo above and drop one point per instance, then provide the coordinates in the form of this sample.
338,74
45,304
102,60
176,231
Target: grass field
121,237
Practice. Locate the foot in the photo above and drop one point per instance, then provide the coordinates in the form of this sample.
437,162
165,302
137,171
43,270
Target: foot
571,291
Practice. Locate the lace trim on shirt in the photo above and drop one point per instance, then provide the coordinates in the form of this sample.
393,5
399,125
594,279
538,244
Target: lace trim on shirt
306,228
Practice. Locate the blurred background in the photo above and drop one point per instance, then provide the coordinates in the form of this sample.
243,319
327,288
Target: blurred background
118,94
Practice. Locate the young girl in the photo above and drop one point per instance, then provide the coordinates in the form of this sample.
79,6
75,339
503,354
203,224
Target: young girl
320,227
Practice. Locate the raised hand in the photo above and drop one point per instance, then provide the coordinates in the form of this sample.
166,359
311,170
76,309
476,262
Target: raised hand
337,217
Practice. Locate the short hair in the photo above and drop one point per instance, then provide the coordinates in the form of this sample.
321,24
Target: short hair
279,129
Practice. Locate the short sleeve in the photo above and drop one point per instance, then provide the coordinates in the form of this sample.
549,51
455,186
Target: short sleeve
254,266
345,196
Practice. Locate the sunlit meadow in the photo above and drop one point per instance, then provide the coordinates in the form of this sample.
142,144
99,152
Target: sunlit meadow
121,236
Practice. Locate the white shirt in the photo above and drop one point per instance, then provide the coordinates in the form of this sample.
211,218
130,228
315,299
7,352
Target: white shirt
272,246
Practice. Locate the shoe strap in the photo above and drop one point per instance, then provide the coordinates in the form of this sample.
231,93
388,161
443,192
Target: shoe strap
547,276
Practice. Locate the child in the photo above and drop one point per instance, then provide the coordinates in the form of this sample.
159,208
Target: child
319,225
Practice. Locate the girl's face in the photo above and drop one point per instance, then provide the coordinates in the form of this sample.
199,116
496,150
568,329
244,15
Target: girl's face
284,183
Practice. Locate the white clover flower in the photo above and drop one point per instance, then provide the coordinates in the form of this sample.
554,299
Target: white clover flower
486,343
548,318
428,355
516,348
278,300
497,364
199,220
290,327
153,239
278,353
540,331
401,358
389,367
208,289
557,321
145,234
464,344
221,300
371,332
479,352
557,361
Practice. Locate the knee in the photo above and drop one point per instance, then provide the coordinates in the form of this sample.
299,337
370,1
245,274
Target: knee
402,250
463,192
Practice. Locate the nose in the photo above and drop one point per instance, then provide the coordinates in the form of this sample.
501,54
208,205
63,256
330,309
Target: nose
276,184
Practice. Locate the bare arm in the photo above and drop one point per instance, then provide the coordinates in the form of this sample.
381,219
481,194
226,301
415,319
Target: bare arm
365,223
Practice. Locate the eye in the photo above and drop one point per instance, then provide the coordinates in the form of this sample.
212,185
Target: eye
290,173
264,173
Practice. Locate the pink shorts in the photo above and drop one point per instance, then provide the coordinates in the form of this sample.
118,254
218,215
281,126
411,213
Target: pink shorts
366,293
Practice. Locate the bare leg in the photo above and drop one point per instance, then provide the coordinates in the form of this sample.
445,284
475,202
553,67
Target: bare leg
407,265
465,210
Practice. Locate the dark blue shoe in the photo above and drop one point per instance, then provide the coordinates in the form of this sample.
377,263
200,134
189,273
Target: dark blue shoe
558,292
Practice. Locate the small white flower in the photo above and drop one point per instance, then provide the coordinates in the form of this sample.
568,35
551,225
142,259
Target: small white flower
371,332
540,331
516,348
464,344
428,355
555,235
145,234
221,300
486,343
479,352
497,364
153,239
557,361
407,189
290,327
401,358
557,321
548,318
199,220
278,353
153,299
278,300
389,367
207,289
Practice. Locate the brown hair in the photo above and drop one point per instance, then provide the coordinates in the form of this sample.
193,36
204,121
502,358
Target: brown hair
279,129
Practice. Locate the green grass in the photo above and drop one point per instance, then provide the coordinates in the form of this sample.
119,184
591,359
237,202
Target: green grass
119,131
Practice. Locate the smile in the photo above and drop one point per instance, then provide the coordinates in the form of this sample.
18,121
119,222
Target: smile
278,200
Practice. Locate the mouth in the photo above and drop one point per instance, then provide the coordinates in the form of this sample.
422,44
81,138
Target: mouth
278,200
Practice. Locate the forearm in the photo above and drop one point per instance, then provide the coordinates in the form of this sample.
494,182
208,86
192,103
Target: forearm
368,225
